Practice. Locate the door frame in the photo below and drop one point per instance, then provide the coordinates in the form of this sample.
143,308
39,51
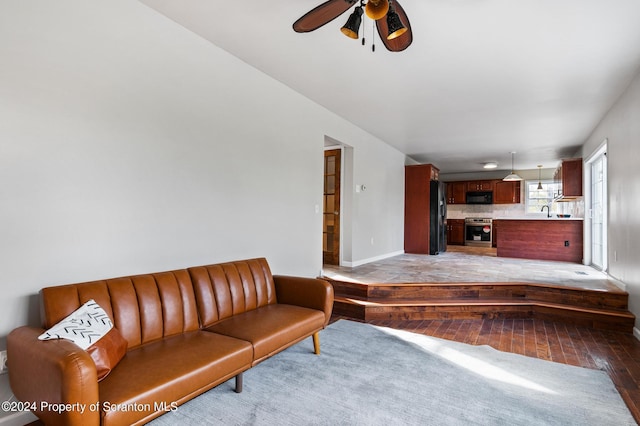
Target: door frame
601,151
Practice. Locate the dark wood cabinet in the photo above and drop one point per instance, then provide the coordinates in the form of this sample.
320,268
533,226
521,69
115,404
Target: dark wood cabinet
456,192
551,239
506,192
417,194
569,174
480,185
495,225
503,192
455,232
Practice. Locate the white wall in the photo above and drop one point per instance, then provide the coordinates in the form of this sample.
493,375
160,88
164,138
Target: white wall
621,126
130,145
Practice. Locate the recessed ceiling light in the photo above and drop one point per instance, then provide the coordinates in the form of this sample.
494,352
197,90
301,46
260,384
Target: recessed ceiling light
490,165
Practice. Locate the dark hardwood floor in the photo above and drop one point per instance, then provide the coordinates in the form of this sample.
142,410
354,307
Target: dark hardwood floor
616,353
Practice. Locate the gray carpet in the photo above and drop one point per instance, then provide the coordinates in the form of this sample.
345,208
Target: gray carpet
376,376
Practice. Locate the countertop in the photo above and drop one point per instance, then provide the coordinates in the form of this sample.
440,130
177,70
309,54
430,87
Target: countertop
520,218
539,218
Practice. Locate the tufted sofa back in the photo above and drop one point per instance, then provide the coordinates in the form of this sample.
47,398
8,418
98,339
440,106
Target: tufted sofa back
149,307
227,289
142,307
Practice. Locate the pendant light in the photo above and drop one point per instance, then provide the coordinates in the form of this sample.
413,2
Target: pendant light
512,176
539,180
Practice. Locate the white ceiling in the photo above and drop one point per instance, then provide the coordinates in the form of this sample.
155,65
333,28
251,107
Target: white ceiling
481,79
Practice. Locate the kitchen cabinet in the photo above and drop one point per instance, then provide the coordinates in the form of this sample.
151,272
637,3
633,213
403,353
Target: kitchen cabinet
544,239
569,174
495,225
506,192
417,207
480,185
455,232
456,192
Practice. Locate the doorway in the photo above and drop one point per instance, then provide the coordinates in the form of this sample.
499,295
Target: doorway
331,207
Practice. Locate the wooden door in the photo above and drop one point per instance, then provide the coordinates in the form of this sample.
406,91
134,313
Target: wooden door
572,177
456,192
331,208
456,231
506,192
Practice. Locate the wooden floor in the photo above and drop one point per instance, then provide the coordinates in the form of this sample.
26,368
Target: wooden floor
616,353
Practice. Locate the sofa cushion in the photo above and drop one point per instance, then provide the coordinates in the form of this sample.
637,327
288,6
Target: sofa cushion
107,352
167,372
84,326
271,328
91,329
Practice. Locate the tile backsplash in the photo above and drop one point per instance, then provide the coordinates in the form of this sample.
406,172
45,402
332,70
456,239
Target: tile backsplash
498,211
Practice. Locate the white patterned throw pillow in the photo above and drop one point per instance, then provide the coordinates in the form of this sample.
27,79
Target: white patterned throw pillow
84,327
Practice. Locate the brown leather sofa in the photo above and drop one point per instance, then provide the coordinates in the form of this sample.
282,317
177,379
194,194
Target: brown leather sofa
187,331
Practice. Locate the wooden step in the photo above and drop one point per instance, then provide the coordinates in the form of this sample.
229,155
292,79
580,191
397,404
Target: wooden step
615,300
595,309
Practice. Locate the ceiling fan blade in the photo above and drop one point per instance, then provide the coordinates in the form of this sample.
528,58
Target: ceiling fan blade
317,17
400,43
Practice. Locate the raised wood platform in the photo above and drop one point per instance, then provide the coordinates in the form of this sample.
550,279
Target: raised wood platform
597,309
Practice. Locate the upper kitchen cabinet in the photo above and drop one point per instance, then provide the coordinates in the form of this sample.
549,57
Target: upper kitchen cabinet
480,185
456,192
569,174
506,192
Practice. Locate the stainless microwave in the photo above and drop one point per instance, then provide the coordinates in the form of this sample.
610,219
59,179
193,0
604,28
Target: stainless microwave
479,197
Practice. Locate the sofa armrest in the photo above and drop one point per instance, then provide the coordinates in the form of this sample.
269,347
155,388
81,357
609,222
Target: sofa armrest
45,373
311,293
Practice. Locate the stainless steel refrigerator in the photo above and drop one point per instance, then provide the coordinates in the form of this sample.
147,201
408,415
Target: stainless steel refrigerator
438,217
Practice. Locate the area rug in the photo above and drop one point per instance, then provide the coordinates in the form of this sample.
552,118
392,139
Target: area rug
370,375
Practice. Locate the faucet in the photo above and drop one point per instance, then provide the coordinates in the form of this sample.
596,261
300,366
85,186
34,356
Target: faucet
548,210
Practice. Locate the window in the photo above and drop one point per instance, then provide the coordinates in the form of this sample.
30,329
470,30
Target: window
536,199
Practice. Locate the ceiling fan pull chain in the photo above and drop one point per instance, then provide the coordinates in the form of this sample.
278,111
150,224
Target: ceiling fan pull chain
373,37
363,28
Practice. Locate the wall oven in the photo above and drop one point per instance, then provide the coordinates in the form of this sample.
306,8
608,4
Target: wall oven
478,231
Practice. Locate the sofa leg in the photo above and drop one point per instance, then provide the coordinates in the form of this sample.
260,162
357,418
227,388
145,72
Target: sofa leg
316,343
239,383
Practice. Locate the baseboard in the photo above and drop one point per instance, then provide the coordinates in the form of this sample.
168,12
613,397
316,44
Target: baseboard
372,259
18,419
636,332
621,285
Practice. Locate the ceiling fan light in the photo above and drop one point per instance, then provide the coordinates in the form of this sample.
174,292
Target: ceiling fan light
377,9
352,26
395,25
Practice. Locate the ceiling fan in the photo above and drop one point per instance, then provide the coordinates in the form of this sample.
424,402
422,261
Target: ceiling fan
391,20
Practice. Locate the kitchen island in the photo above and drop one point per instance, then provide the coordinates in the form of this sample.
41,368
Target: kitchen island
544,239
